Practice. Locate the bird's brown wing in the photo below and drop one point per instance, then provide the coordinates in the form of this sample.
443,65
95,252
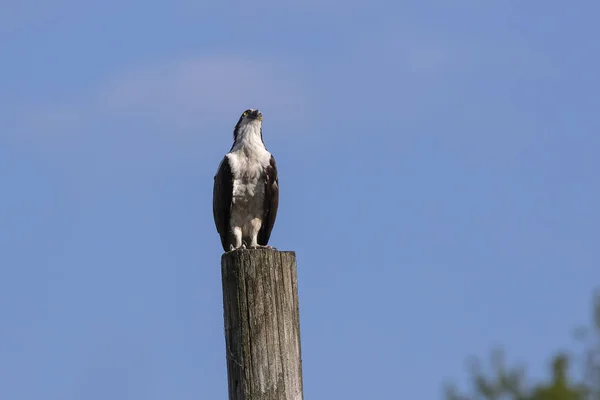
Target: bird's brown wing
222,196
271,203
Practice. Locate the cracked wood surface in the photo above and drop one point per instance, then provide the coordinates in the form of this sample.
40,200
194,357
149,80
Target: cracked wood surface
262,325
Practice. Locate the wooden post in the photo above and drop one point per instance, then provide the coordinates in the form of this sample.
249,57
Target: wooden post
262,325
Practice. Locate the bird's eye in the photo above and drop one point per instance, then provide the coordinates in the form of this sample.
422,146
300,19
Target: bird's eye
245,113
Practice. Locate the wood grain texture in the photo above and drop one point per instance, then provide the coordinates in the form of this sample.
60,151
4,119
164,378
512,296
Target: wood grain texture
262,325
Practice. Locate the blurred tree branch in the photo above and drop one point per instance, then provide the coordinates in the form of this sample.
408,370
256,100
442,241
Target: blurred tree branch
510,383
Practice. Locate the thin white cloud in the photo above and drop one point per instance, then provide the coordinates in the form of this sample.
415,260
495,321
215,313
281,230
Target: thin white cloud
185,93
178,96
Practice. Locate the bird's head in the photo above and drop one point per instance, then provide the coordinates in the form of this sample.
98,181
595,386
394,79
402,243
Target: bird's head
249,124
249,116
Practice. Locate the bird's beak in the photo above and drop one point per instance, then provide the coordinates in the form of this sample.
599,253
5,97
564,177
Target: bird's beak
256,115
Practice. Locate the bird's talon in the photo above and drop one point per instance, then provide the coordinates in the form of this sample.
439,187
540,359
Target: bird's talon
260,246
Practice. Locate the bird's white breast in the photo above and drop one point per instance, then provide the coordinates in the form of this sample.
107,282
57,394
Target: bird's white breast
248,165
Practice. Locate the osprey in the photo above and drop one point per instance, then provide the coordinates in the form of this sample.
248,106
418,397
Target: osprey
246,188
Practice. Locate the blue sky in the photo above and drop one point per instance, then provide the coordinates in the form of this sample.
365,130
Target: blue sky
438,170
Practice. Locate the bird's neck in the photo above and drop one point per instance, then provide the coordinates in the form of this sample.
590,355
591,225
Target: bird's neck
249,137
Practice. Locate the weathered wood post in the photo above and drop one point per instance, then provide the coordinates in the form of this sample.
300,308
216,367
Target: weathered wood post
262,325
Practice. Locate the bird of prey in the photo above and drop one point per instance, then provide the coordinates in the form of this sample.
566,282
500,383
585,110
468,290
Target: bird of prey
246,188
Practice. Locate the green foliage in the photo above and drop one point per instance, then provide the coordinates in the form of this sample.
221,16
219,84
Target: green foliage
510,383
